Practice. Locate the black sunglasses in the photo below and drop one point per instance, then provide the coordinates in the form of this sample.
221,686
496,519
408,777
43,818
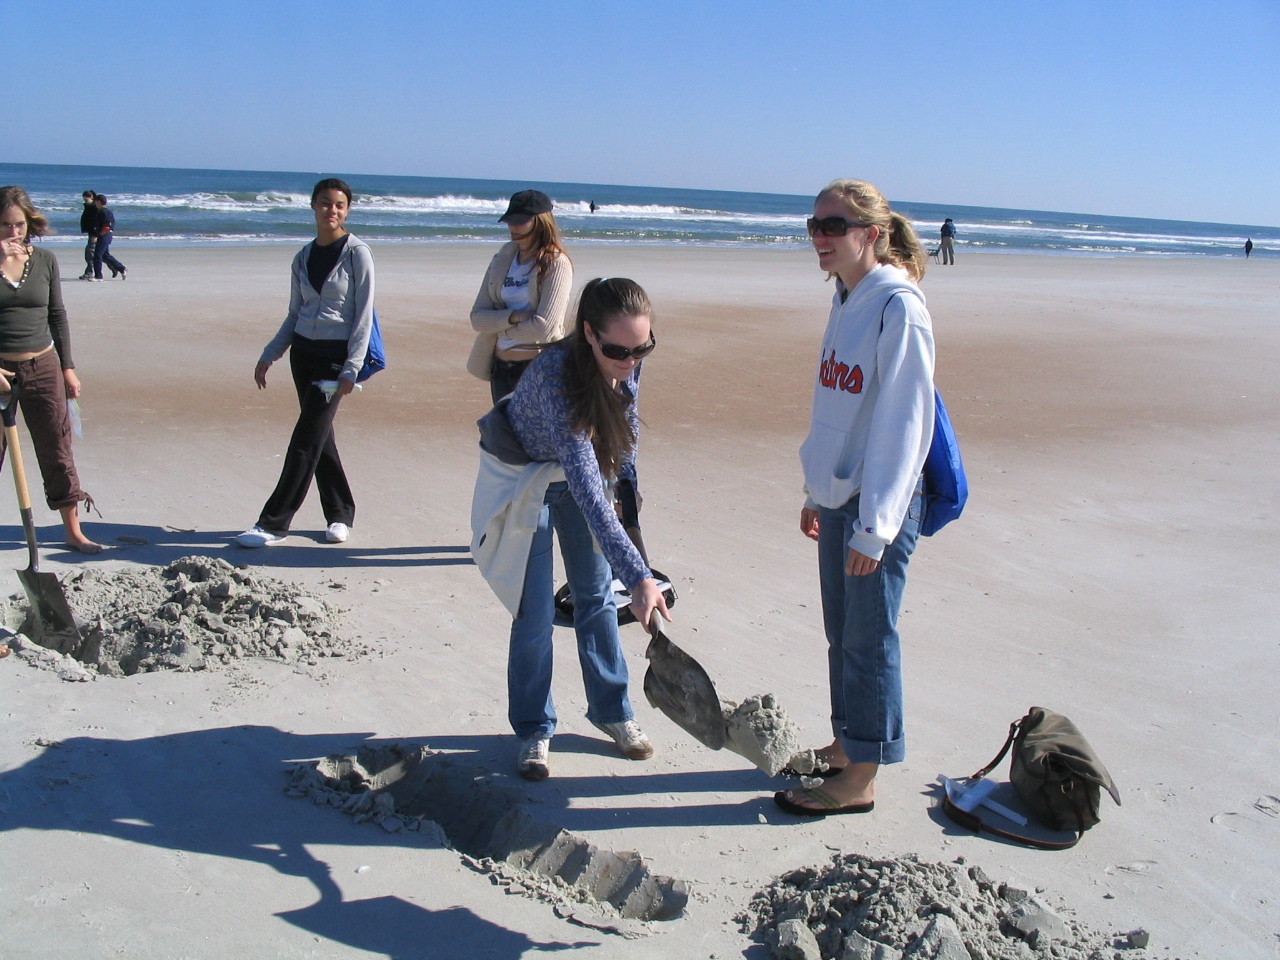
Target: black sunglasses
831,226
615,352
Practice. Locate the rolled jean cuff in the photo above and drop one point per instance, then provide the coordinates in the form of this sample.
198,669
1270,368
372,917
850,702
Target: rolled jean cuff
873,751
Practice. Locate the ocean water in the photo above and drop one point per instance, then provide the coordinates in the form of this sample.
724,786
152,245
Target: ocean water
173,207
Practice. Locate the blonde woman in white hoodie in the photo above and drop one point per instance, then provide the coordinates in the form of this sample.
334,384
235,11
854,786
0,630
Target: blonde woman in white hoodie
871,427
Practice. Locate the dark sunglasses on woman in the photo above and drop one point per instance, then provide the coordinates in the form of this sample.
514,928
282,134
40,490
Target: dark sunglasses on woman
831,226
615,352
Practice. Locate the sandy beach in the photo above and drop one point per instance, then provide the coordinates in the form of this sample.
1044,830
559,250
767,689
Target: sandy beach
1116,563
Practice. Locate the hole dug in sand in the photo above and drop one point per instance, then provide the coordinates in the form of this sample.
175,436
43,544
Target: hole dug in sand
486,819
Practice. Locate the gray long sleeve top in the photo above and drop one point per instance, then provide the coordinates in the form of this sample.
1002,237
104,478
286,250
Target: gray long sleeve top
341,310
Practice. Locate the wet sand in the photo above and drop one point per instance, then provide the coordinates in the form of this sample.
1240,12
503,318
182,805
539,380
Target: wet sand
1116,563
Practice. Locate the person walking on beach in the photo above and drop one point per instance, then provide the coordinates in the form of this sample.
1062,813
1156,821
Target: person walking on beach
105,226
326,333
549,455
948,233
89,227
1248,247
870,430
35,357
522,301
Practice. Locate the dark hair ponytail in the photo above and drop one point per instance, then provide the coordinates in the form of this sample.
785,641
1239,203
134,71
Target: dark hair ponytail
595,407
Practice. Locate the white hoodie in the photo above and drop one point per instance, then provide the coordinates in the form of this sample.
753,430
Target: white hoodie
872,420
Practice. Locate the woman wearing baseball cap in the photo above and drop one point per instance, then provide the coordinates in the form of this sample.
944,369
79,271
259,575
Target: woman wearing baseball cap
522,302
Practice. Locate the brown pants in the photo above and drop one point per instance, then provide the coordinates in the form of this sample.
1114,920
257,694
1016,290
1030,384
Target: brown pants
42,397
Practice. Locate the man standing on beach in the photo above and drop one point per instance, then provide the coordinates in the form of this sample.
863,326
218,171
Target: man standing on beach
948,242
106,225
1248,247
89,227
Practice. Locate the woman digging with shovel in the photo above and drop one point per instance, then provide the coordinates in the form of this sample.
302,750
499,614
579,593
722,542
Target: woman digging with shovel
570,426
870,431
35,354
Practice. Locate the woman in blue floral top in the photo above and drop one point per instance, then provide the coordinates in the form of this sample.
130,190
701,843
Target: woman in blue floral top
576,405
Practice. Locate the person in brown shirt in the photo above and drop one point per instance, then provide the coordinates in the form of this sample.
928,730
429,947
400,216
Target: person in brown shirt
35,356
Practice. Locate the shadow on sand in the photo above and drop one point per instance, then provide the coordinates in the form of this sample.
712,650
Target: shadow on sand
219,792
160,546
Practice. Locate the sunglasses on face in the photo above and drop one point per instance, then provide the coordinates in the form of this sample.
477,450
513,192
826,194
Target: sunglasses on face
831,226
615,352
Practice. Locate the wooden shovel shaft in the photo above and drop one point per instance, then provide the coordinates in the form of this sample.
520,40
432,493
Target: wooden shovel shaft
24,496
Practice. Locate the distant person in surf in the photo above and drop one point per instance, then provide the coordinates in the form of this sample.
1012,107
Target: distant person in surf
948,234
326,333
524,296
871,427
1248,247
594,208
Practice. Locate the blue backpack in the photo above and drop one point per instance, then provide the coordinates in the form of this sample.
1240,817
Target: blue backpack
376,358
945,486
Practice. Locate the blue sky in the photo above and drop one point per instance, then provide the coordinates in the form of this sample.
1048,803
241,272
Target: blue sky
1161,109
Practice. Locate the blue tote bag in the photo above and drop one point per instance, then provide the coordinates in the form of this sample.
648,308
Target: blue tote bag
376,358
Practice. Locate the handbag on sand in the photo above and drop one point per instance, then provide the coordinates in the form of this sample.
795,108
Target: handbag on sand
1056,773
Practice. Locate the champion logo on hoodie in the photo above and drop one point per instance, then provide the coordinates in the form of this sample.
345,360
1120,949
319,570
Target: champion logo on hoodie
840,376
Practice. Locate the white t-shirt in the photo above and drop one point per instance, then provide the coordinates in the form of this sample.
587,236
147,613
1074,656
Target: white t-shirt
515,294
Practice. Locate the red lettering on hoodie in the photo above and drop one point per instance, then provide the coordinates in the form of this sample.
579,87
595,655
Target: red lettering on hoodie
839,376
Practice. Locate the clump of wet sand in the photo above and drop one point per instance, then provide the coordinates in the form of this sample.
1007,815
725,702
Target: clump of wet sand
861,908
198,613
761,731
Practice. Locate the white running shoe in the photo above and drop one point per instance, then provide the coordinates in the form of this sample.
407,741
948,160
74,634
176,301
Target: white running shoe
629,738
337,533
532,760
256,537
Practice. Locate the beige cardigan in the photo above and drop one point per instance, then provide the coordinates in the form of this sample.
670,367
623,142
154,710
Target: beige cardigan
549,300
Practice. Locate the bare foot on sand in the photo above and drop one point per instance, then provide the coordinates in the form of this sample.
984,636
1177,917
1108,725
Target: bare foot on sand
84,545
75,538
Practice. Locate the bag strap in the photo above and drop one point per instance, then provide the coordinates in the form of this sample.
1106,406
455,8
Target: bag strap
972,821
1013,732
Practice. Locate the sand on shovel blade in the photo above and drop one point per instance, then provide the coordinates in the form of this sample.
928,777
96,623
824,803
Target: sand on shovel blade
762,732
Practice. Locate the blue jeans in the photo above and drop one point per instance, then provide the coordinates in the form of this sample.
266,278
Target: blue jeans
861,619
595,620
102,253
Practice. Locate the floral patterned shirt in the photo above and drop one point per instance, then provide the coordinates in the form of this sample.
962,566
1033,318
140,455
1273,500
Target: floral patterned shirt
539,415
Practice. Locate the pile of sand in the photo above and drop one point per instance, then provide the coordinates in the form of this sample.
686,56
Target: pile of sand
487,820
198,613
860,908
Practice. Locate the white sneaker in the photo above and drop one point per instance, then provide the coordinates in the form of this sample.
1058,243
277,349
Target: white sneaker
337,533
256,537
629,738
532,760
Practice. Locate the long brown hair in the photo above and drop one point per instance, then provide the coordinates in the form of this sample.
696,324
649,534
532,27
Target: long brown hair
15,196
594,406
547,242
897,243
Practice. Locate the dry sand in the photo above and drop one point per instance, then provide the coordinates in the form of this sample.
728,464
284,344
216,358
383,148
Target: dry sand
1116,563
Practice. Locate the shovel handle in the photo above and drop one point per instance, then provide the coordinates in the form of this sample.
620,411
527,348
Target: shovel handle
9,414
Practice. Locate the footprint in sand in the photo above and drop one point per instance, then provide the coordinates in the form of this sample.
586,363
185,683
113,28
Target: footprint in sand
1133,866
1248,824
